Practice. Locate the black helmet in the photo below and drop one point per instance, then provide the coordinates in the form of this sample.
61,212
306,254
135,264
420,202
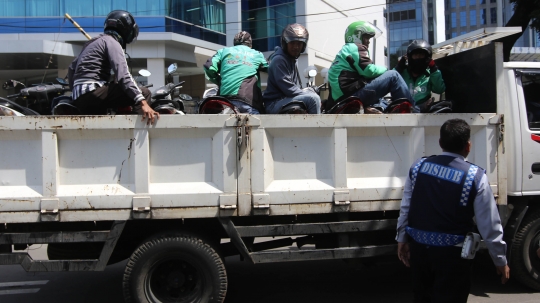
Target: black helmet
294,32
419,45
244,38
123,23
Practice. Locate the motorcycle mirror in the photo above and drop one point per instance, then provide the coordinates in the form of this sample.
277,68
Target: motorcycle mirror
62,81
145,73
8,84
185,97
172,68
312,73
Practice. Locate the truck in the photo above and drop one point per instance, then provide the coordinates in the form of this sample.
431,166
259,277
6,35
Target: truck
177,197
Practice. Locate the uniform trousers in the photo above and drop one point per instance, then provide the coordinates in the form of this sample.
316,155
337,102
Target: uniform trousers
439,274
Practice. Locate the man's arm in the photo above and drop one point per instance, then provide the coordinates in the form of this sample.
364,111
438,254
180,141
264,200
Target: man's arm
359,59
263,66
281,75
118,63
403,221
212,68
437,82
490,228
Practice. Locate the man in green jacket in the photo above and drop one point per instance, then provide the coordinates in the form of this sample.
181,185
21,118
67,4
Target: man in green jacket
421,74
353,72
236,71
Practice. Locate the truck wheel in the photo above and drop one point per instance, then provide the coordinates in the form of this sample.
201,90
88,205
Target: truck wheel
525,263
175,269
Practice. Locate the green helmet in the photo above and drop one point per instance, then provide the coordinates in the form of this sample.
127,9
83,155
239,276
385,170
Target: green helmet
357,29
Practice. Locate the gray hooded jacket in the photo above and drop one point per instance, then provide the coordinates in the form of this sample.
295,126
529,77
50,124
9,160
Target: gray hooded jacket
94,64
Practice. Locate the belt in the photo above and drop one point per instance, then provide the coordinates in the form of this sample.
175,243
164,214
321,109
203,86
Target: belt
434,238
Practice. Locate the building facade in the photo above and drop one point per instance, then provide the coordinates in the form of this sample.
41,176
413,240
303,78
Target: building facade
464,16
408,20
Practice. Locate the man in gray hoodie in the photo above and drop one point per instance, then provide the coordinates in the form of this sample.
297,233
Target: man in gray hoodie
284,83
89,73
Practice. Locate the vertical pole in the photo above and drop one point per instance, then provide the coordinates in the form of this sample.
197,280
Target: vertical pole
374,44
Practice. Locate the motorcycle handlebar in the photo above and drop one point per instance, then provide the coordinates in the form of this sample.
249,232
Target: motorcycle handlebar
13,96
148,85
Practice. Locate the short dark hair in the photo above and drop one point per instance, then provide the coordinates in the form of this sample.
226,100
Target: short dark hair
455,134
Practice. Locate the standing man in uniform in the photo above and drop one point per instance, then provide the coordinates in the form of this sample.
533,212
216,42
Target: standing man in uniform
236,71
442,195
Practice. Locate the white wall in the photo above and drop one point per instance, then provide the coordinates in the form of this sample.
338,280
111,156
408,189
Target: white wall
327,25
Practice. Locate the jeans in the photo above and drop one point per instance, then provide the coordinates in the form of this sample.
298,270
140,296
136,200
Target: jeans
311,100
245,108
389,82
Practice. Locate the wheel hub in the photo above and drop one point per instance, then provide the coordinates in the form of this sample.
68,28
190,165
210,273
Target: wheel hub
174,280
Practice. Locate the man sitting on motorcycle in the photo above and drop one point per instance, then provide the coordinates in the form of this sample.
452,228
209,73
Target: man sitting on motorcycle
236,71
421,74
353,73
89,73
284,83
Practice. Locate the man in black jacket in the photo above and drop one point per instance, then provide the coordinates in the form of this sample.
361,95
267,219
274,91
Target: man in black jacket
283,80
89,73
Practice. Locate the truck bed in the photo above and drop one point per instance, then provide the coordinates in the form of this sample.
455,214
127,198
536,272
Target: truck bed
103,168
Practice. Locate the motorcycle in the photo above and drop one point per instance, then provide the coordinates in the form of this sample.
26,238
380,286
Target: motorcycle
64,105
12,109
38,97
213,104
166,99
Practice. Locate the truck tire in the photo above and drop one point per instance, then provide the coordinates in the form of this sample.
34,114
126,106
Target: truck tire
525,264
176,268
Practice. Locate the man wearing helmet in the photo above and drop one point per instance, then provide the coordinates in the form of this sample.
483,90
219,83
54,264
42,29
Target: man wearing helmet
353,72
284,83
236,71
421,74
89,73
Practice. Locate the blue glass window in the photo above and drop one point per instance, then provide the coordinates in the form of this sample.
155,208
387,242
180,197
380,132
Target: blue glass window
462,2
11,8
256,4
452,3
207,15
103,7
43,8
472,17
462,19
483,16
493,12
453,18
265,25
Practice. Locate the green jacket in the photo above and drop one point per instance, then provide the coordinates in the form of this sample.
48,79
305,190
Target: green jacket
350,70
236,71
422,86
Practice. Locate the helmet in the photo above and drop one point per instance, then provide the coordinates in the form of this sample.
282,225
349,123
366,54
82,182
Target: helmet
419,45
294,32
244,38
357,29
123,23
